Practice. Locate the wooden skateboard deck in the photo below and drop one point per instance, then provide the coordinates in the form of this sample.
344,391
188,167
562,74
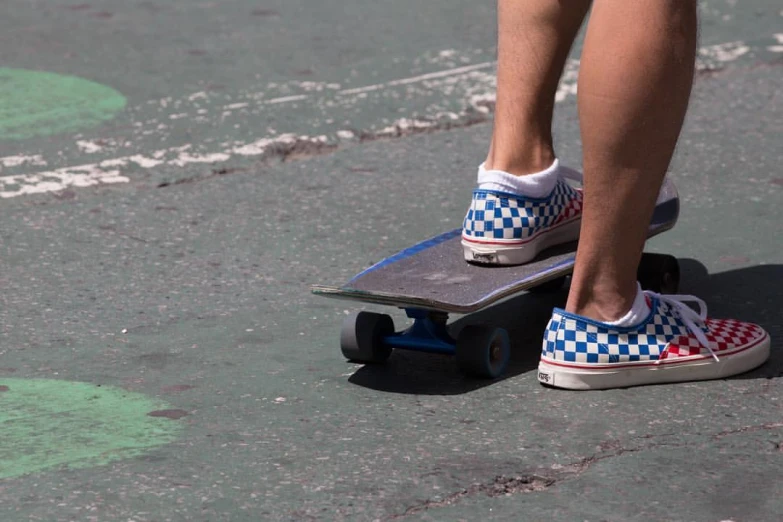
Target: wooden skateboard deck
433,275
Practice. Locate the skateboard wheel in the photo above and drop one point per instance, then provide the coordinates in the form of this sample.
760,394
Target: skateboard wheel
483,351
550,286
659,273
361,338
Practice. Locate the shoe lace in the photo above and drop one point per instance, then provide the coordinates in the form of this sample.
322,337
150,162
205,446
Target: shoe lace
694,321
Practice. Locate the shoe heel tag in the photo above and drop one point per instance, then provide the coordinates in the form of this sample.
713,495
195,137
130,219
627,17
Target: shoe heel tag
546,378
485,258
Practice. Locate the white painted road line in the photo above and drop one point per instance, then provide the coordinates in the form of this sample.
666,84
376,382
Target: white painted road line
416,79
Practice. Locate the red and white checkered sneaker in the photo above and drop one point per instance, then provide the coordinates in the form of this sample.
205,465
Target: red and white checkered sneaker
674,343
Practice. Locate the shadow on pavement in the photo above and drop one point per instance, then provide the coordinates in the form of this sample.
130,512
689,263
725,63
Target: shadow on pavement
750,294
524,317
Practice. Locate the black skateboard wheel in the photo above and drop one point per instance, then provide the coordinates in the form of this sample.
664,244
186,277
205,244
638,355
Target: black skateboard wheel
659,273
361,338
483,351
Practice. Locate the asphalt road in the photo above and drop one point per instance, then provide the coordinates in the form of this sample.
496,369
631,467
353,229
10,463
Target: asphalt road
175,175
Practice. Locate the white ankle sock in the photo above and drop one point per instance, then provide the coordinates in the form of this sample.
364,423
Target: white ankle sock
537,185
639,311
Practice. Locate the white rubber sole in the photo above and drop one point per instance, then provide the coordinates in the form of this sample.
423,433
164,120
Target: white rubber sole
572,376
508,253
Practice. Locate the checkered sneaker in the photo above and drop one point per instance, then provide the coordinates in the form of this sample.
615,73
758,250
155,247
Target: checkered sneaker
673,335
723,335
663,336
497,216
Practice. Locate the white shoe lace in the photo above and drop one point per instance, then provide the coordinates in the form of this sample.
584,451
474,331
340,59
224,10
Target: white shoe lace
693,321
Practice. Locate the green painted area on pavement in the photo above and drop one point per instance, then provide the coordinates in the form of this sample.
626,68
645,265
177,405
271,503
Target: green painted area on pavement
35,103
46,423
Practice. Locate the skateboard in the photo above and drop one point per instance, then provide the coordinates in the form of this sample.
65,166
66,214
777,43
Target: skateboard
431,280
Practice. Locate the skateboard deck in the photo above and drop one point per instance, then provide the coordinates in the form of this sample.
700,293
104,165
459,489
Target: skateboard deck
433,275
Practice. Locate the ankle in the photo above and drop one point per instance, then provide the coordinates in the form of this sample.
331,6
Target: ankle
605,304
519,161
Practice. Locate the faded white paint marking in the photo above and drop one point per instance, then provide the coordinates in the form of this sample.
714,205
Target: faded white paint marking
57,180
779,38
726,52
89,147
405,126
106,171
416,79
568,81
197,96
143,162
453,93
258,147
261,146
286,99
186,158
16,161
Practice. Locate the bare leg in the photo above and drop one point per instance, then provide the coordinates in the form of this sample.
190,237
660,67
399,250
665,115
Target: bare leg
634,84
534,38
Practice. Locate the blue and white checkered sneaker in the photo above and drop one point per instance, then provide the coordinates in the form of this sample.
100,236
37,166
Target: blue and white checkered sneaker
508,229
674,343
